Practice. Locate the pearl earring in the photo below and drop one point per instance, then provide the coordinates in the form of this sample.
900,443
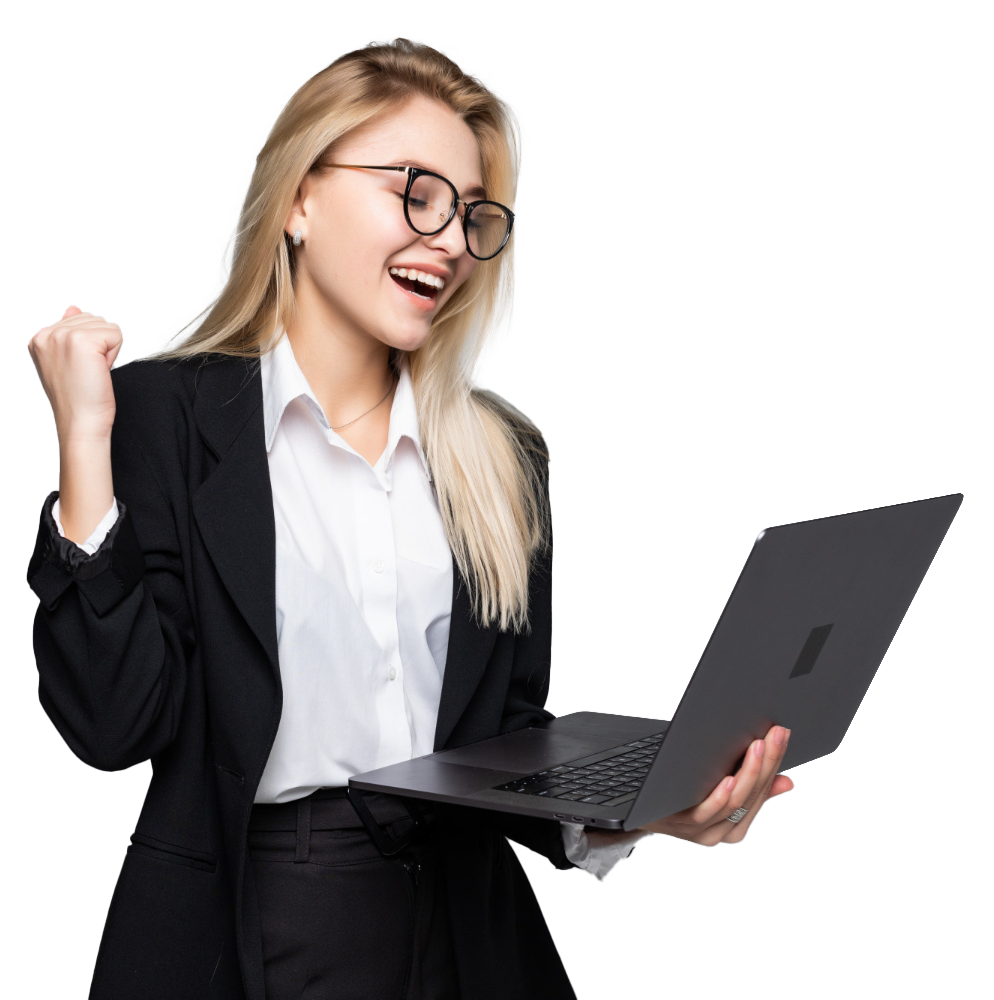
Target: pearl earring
296,237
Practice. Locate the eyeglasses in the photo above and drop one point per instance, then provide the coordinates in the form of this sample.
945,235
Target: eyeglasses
430,201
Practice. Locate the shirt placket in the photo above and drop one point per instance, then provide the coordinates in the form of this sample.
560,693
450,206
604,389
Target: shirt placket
378,572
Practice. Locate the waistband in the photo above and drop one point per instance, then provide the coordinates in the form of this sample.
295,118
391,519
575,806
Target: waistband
329,809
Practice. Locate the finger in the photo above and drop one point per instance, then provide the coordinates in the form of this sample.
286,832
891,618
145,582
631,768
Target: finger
741,786
745,780
781,784
79,319
748,775
69,319
687,822
715,805
776,740
761,793
775,747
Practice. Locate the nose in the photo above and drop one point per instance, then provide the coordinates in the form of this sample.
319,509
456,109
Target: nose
451,238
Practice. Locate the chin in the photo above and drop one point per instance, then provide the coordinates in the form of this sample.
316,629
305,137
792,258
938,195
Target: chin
407,340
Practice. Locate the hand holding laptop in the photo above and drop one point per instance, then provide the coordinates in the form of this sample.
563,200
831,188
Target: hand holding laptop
755,782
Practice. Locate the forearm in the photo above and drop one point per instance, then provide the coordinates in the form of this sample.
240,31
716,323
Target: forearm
86,484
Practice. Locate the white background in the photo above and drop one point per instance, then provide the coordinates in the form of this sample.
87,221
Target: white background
754,249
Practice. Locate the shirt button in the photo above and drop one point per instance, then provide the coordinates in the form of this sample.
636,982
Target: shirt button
379,565
393,673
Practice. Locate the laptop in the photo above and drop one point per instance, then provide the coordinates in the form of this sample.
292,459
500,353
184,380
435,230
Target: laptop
801,636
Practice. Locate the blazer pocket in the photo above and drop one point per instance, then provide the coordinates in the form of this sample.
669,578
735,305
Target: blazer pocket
172,853
229,773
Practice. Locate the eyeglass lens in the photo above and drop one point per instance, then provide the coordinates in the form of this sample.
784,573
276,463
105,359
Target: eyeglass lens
429,205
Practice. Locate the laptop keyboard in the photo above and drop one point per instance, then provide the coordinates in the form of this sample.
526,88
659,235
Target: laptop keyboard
609,778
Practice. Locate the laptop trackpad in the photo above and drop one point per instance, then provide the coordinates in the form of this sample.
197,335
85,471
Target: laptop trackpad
526,750
458,779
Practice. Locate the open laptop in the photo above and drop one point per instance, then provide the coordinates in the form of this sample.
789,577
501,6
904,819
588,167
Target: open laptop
805,628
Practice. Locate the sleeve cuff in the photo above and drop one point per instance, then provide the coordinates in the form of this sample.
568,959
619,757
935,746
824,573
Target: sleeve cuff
98,534
105,577
598,852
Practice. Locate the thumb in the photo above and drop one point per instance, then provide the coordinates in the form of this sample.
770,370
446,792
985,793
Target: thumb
71,311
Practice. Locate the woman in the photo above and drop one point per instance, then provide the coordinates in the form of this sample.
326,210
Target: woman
300,546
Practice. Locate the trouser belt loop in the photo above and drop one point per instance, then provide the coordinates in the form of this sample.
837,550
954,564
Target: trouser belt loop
303,852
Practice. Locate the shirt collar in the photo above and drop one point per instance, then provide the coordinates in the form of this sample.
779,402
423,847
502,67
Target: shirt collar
283,382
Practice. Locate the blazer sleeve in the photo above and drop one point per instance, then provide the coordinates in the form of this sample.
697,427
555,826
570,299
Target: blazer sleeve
113,631
98,534
529,682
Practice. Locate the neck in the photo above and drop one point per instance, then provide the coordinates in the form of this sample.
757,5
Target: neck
348,369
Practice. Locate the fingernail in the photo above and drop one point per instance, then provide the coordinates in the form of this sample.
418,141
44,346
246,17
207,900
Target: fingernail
779,736
758,747
729,783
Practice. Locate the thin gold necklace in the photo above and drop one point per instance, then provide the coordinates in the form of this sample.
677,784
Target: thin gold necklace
370,410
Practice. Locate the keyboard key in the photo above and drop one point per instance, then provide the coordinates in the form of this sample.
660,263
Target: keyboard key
596,799
621,799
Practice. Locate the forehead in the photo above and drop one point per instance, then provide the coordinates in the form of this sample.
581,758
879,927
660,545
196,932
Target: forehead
421,133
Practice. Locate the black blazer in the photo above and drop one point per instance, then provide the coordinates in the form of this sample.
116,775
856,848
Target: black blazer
162,645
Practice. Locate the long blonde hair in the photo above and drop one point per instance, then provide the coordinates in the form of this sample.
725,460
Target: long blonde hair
487,459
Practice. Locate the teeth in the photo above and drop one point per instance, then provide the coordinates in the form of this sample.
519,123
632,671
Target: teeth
425,279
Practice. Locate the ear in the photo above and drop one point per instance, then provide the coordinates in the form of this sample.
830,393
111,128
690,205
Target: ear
297,216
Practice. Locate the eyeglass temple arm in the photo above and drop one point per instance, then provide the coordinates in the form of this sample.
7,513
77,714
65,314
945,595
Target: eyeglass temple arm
366,166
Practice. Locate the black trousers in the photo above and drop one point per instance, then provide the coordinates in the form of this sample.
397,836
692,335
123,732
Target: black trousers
341,921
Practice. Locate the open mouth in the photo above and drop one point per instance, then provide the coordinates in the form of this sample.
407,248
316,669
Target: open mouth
422,286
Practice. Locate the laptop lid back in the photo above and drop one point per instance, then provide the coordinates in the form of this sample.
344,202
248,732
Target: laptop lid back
805,629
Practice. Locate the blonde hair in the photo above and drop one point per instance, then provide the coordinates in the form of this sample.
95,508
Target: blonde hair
487,459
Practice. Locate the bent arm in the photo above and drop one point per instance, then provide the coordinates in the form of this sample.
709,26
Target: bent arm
113,631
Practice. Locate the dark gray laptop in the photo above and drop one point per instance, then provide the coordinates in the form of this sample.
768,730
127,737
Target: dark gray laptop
804,630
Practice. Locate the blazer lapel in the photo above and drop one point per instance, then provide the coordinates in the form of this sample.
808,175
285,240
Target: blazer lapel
234,505
466,659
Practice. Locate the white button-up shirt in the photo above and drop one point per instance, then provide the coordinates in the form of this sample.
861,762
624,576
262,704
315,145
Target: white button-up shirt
364,590
363,598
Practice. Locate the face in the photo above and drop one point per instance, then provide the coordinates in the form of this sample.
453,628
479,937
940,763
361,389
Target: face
354,233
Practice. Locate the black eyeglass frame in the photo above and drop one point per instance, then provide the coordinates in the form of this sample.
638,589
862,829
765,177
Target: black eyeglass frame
413,173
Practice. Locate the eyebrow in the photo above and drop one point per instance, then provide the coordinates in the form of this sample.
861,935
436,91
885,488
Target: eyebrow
471,192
